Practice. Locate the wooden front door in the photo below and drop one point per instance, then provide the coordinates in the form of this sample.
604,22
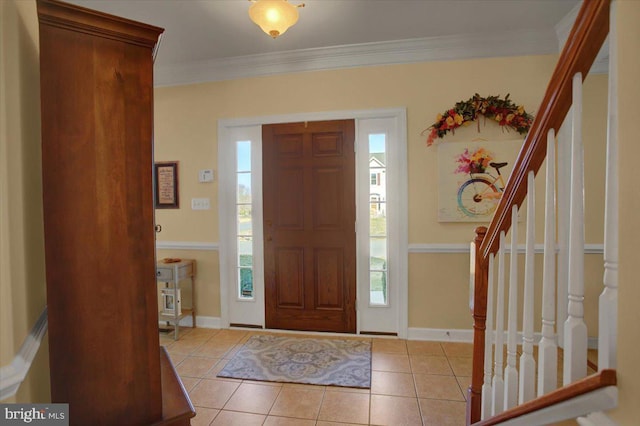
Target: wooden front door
309,225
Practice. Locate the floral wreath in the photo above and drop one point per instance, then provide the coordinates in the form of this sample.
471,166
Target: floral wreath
504,111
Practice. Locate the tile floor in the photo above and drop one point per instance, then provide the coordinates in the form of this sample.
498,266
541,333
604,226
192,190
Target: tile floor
412,383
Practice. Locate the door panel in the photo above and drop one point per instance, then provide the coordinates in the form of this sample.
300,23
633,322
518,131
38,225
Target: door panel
309,225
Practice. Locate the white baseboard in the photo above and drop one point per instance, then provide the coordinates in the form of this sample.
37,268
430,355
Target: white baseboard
201,322
440,334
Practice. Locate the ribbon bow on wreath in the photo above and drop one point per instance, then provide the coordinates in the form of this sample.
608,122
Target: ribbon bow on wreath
504,111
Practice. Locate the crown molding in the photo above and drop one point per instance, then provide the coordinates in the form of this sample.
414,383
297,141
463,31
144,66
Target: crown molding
446,48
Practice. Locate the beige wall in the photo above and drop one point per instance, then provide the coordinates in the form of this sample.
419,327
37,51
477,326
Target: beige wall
628,412
185,130
22,282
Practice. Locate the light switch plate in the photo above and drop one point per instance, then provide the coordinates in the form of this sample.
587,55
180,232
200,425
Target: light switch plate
200,204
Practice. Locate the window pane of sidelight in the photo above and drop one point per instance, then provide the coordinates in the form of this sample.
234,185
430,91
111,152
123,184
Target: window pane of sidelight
243,156
244,246
244,220
378,252
245,278
377,219
244,188
378,293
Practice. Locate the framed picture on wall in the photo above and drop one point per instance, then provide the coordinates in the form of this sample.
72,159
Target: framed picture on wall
471,178
166,185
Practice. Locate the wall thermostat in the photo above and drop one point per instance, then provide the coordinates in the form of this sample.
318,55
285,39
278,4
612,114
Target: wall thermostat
205,175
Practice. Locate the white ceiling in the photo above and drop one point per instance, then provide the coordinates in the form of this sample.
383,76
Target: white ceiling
213,32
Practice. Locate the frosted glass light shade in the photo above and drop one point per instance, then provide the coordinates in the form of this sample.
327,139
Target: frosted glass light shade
274,16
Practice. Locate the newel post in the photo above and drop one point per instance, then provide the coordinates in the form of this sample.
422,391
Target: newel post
479,313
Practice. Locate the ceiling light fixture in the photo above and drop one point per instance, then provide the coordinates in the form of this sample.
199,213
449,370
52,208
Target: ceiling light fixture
274,16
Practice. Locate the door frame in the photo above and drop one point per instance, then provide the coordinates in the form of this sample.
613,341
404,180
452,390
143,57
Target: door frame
230,129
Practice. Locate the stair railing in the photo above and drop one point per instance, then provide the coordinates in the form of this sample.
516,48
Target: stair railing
12,375
515,396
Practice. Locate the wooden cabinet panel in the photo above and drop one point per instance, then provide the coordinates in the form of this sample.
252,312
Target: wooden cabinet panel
97,158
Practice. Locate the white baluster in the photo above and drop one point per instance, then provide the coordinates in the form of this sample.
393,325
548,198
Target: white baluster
575,330
487,392
527,390
548,349
510,371
608,308
564,185
498,382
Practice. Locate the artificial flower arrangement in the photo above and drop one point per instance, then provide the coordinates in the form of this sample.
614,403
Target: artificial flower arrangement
473,162
504,111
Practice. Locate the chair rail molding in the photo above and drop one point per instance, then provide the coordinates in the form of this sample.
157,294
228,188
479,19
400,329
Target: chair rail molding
188,245
464,248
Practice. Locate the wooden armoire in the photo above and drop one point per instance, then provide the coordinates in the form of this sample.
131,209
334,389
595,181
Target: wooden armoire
97,164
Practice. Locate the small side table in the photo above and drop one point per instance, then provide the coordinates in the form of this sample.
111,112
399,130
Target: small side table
172,274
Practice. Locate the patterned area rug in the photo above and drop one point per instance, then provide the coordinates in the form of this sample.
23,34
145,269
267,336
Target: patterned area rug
302,360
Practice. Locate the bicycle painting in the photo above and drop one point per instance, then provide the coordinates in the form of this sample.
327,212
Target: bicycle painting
472,178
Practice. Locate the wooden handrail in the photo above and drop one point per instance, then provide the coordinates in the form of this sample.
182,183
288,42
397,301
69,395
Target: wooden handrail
587,36
596,381
585,40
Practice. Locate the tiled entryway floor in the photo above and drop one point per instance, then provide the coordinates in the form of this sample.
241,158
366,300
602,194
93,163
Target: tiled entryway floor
413,383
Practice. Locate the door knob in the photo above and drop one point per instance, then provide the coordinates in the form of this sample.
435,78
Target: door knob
158,228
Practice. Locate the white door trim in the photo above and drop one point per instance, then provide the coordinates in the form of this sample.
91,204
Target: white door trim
226,199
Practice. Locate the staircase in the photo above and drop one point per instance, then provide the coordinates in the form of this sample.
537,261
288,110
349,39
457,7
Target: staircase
520,388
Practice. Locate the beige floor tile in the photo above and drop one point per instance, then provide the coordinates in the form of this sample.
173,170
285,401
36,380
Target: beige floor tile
303,386
214,349
345,407
176,357
458,349
233,418
390,346
231,336
219,365
186,346
165,340
461,366
424,348
442,413
298,402
391,399
344,389
430,365
260,382
204,416
189,382
286,421
193,366
438,387
212,393
397,363
200,333
394,410
389,383
253,398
